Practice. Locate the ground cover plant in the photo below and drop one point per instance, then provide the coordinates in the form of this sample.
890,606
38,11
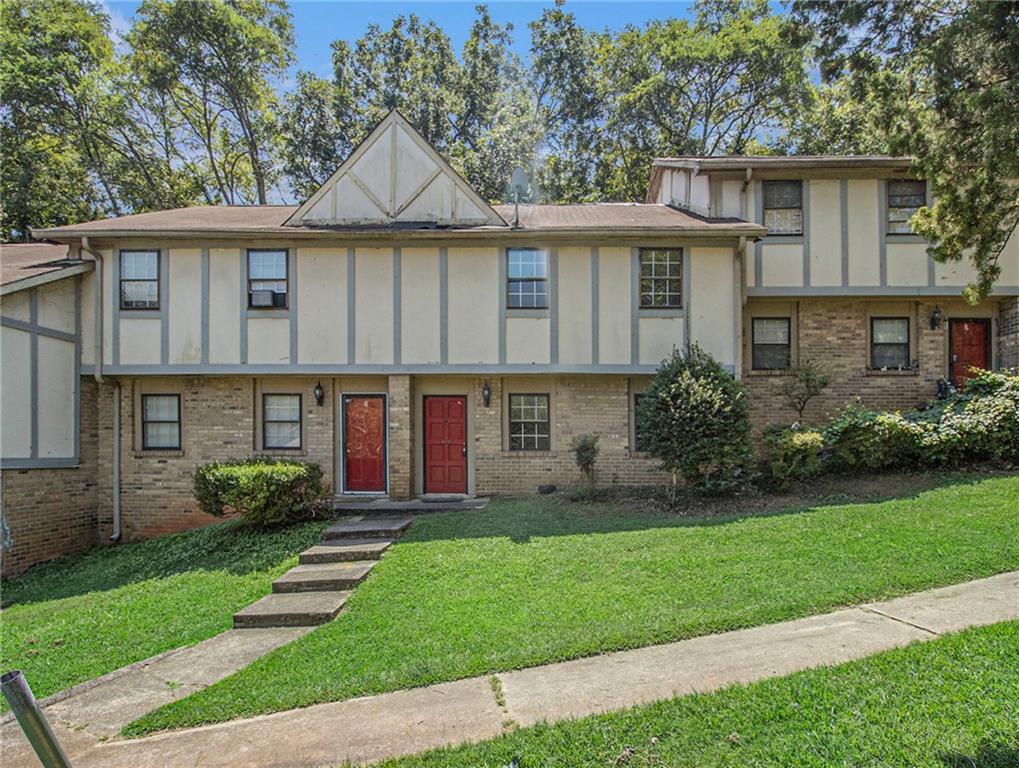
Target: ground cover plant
82,616
945,703
535,580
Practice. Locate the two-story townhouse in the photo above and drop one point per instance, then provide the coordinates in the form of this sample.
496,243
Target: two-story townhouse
413,339
840,278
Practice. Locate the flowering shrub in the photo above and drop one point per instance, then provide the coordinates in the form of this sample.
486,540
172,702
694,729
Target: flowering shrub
792,453
980,425
265,492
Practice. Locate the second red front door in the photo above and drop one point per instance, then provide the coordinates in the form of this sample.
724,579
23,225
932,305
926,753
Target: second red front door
969,346
364,443
445,444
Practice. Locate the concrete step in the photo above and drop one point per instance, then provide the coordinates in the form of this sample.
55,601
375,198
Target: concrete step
429,503
300,609
369,527
343,550
323,577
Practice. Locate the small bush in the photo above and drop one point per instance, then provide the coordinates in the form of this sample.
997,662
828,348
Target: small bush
265,492
792,454
693,418
585,452
807,380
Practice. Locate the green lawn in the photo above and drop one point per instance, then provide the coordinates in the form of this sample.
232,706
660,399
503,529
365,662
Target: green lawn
947,703
535,580
79,617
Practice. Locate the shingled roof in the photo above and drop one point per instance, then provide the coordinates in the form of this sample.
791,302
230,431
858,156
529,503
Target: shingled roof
23,265
255,220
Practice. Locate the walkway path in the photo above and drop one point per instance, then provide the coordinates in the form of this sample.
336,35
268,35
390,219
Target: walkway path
406,722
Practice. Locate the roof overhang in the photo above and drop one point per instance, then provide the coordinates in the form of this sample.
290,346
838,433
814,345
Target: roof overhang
78,268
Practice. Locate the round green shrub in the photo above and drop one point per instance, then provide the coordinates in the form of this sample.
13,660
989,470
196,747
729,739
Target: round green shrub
265,492
693,418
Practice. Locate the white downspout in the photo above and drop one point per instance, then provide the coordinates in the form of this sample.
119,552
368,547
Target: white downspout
98,375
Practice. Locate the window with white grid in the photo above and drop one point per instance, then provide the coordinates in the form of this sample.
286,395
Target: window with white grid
527,279
783,207
529,428
889,342
770,339
139,279
661,278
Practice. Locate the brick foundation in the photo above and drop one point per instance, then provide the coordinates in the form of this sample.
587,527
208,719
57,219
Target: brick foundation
1008,332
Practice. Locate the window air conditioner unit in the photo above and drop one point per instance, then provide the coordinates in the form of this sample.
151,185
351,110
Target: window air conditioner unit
261,298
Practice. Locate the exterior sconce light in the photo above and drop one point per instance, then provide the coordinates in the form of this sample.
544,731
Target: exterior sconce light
320,394
486,394
936,317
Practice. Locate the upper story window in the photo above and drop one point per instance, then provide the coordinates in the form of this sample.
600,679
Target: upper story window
281,422
139,279
783,207
905,197
661,278
889,342
527,279
529,423
771,344
161,422
267,279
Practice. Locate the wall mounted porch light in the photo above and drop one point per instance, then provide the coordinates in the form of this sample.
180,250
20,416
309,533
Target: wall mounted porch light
320,394
936,317
486,394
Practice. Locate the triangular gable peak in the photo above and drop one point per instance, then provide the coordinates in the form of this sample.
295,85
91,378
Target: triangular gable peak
395,177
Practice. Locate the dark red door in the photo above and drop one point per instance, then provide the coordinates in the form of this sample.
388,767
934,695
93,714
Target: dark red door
969,347
364,443
445,445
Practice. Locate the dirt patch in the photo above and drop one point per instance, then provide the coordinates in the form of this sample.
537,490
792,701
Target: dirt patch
822,490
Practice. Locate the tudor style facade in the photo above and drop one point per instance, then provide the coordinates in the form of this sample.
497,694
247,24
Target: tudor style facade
412,339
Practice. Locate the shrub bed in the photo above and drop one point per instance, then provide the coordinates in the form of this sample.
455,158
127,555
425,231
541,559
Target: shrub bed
265,492
978,426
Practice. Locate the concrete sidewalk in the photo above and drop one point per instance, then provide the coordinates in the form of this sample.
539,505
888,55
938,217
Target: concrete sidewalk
406,722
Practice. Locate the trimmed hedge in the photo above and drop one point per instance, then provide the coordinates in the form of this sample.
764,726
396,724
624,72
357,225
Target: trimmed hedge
266,492
792,453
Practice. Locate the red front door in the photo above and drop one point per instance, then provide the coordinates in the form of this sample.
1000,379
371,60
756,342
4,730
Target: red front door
969,346
364,443
445,445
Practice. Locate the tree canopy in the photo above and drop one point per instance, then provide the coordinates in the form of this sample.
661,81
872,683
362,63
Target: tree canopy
200,103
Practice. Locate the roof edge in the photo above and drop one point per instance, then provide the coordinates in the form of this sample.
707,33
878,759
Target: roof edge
33,281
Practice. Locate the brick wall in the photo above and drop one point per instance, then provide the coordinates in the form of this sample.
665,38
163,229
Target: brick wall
401,437
835,332
582,404
218,422
52,512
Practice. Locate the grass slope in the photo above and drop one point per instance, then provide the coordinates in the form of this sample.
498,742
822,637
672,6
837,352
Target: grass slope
531,581
947,703
79,617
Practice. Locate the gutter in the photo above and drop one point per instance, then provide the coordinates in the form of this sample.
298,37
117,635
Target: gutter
98,375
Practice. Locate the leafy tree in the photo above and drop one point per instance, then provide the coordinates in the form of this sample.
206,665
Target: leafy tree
694,419
213,64
943,81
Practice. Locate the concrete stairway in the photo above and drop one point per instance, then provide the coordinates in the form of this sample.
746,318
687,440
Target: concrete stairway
316,590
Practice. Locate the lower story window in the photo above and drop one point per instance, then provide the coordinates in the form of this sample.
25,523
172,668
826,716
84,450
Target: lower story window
889,342
281,422
161,422
529,423
770,338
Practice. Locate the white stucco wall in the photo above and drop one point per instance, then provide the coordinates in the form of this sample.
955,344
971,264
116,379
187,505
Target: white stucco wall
473,279
321,305
225,305
184,267
373,309
614,300
574,305
419,305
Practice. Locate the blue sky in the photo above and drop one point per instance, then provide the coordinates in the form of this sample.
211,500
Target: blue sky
317,24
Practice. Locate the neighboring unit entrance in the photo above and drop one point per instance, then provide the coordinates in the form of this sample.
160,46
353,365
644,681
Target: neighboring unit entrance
969,346
364,443
445,444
